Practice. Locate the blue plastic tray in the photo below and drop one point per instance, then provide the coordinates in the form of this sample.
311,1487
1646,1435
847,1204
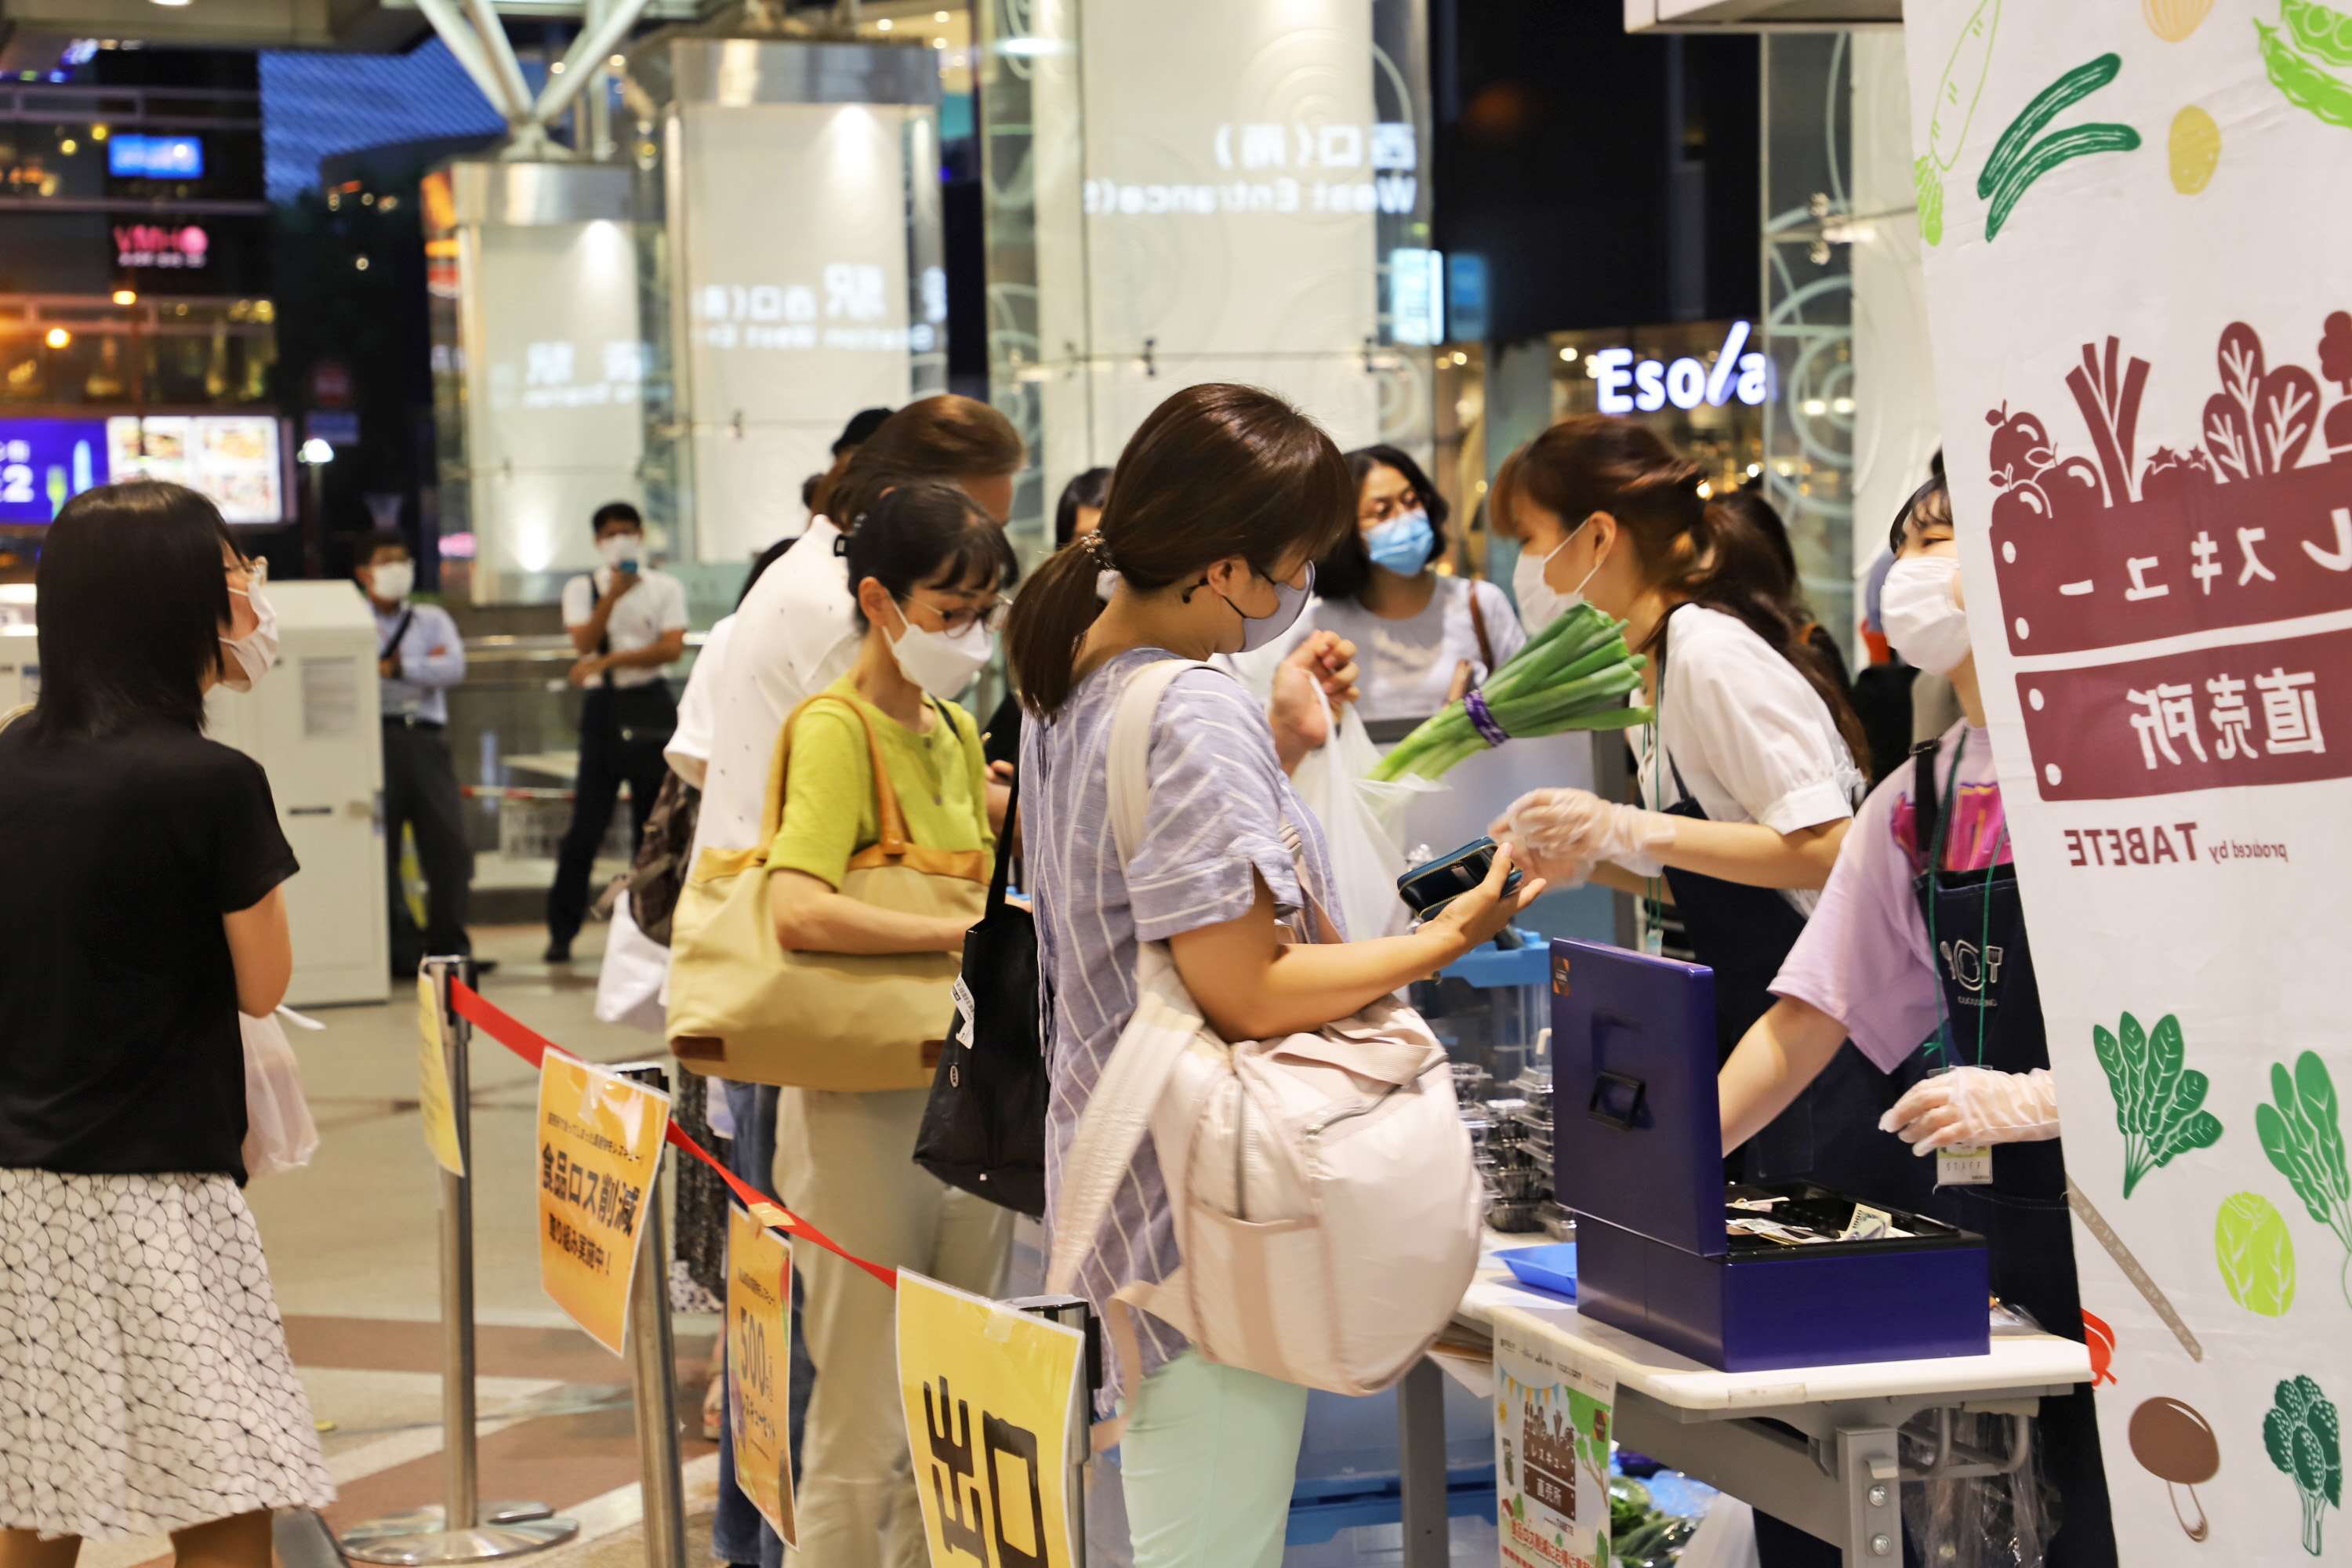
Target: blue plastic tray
1552,1269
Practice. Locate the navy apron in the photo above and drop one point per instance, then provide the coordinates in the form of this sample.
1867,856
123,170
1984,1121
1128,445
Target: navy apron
1993,1008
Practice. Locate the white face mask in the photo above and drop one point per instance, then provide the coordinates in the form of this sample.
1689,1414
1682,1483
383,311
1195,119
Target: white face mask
250,656
1540,604
392,581
618,548
1923,621
941,663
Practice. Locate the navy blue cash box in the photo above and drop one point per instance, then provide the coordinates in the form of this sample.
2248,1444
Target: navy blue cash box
1637,1154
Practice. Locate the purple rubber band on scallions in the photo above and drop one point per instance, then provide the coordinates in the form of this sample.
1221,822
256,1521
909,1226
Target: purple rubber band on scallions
1482,721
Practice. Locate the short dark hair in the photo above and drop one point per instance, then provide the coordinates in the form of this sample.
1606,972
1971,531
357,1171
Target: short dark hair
132,599
1930,505
1347,570
616,511
1089,488
929,532
376,539
860,429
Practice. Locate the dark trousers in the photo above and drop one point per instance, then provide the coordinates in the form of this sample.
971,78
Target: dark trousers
622,733
420,793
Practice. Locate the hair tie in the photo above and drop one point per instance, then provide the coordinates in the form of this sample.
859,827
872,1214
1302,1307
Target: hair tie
1096,546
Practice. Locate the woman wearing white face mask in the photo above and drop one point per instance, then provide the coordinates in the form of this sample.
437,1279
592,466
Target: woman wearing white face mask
1925,876
927,565
145,1382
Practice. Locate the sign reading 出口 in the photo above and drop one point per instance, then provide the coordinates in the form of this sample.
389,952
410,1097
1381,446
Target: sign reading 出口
600,1143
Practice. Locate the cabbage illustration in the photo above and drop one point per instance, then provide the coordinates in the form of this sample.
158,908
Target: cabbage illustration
2256,1253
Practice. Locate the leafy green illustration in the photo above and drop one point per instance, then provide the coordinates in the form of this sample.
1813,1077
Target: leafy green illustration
2301,1435
1956,106
2304,1136
2018,160
2306,86
1931,200
2256,1254
2319,30
2156,1099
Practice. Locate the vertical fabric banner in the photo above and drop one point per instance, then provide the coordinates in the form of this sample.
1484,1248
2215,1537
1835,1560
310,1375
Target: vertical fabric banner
600,1143
760,1367
1552,1418
432,1093
994,1420
2136,217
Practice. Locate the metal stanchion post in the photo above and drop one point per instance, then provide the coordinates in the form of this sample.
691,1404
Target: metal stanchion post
653,1368
426,1535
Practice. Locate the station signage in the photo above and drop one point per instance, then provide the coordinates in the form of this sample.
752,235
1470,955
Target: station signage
1279,167
169,246
1629,384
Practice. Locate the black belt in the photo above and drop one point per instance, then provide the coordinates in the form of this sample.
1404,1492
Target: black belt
411,721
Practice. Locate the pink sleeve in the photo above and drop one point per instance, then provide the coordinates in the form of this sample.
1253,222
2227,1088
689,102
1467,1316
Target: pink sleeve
1862,958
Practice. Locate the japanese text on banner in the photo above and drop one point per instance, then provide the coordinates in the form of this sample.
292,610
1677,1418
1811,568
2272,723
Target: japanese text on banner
1552,1417
992,1419
600,1143
759,1367
433,1094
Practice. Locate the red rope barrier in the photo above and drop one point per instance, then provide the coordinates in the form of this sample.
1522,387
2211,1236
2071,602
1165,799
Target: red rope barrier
532,1046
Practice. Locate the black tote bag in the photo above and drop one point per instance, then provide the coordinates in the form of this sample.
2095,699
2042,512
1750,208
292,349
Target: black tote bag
984,1128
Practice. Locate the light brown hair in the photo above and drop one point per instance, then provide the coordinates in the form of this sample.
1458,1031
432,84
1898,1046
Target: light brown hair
945,437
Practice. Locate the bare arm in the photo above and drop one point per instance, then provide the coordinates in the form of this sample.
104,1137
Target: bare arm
1251,985
811,918
1779,1055
1754,855
654,655
590,632
263,953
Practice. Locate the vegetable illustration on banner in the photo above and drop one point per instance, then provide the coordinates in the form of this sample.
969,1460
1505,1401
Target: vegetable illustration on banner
1553,1416
2018,160
760,1367
2156,1099
991,1396
2304,1136
2256,1253
600,1144
2175,1442
2304,1439
2306,56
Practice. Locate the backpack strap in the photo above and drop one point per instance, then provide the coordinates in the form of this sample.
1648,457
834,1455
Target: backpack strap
1927,806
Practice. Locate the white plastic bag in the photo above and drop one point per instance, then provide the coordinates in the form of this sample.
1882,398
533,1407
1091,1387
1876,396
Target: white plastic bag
1366,860
279,1132
629,985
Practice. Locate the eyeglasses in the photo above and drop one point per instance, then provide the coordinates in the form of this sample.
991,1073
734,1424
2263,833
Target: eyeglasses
989,618
256,570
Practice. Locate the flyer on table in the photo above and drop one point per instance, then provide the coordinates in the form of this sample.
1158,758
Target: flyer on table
994,1421
2133,220
760,1367
600,1143
1552,1418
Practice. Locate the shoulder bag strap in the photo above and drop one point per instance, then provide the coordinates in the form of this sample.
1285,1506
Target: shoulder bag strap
1478,626
1129,753
13,714
772,809
392,644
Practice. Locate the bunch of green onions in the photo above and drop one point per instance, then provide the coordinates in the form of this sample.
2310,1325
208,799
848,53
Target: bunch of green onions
1575,674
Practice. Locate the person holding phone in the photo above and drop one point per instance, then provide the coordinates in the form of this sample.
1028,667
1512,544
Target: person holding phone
627,622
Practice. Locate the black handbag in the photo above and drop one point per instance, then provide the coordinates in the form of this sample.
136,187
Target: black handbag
984,1128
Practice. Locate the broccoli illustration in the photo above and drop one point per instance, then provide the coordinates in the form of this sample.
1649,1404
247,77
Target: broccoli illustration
2301,1434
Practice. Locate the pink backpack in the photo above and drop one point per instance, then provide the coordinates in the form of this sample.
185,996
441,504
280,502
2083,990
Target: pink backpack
1325,1203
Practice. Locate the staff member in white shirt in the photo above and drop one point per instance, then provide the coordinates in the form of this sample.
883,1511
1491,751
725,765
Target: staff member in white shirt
419,656
627,622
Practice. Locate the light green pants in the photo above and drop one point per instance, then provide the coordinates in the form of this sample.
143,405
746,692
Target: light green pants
1209,1460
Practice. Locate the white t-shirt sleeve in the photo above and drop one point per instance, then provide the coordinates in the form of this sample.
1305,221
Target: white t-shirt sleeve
1765,734
578,601
1504,633
671,605
689,751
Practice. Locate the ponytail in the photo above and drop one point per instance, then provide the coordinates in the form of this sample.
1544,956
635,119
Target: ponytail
1215,471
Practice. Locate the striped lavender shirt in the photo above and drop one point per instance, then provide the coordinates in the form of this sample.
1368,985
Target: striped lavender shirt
1218,800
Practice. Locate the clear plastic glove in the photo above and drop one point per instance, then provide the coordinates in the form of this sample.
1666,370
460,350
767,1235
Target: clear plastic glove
1554,825
1971,1106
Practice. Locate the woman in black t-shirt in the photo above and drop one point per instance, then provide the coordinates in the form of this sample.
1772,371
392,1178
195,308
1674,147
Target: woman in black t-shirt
145,1381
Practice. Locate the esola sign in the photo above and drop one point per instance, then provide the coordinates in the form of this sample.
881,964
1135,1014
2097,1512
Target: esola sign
1686,383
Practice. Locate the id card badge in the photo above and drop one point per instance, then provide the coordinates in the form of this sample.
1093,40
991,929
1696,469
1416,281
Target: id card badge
1963,1166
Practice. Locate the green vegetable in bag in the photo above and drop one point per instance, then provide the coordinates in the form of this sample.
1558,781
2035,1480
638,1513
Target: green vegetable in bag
2301,1435
2156,1099
2303,1137
2256,1253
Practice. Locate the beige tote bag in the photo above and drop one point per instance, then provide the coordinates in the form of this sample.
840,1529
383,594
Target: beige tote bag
741,1007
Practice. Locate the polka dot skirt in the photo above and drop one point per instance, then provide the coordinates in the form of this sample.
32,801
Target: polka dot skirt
145,1381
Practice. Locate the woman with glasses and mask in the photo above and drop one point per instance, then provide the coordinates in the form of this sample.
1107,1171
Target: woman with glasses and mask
145,1386
929,567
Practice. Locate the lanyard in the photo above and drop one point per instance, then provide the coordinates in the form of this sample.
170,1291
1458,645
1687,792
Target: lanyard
1935,864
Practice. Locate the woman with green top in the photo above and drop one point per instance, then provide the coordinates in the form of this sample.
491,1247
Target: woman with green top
927,565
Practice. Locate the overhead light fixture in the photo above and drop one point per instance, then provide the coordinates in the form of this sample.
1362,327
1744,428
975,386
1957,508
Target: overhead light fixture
172,3
939,16
555,69
58,338
69,146
361,263
125,297
883,25
315,450
1025,46
99,132
939,43
619,62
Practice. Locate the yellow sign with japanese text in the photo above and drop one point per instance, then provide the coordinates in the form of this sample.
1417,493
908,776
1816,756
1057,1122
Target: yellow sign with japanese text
760,1367
995,1426
600,1143
433,1094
